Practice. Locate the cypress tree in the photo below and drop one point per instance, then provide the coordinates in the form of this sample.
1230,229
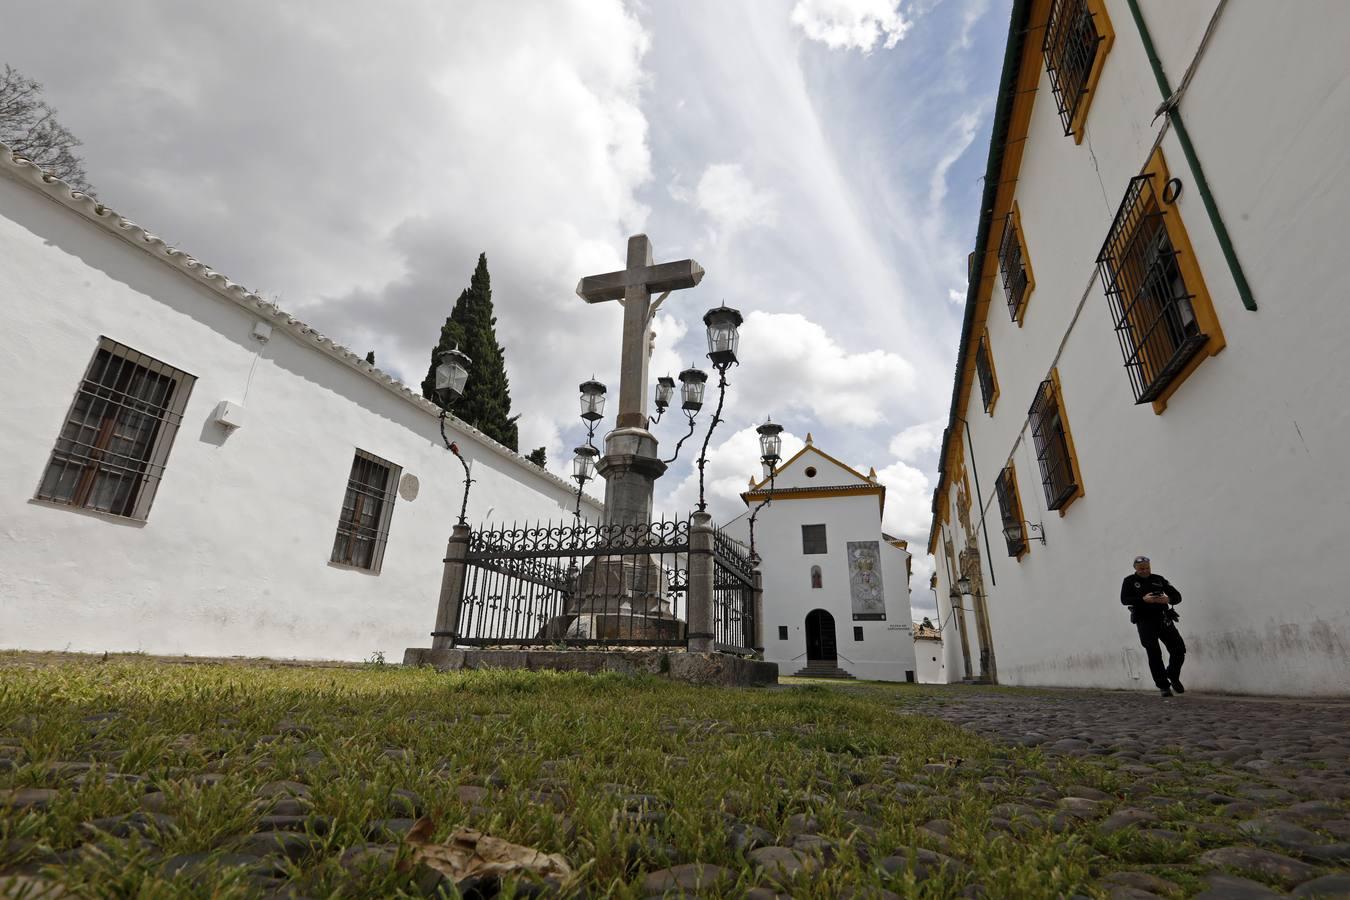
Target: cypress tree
486,404
370,357
538,456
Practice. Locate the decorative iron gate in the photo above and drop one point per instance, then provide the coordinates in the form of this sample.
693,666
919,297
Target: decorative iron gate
733,596
576,585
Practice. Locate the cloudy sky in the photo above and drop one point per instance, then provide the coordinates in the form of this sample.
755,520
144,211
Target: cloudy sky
820,158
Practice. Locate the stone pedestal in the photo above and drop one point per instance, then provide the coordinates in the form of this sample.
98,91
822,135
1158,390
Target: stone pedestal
630,468
619,598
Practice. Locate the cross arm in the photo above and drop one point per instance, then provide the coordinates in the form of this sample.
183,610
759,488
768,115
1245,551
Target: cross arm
671,276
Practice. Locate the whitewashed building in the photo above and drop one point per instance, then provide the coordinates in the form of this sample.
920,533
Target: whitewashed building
1152,357
188,469
930,663
836,589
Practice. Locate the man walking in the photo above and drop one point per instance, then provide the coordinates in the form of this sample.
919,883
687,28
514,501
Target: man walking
1150,599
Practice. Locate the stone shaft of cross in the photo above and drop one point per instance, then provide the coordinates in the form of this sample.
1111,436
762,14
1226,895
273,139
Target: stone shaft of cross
631,464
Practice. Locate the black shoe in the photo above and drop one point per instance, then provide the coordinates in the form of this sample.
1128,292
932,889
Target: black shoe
1166,692
1176,686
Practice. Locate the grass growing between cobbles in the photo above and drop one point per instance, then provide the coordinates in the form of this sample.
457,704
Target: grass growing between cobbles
621,776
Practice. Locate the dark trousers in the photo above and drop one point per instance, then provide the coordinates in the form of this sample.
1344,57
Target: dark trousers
1150,633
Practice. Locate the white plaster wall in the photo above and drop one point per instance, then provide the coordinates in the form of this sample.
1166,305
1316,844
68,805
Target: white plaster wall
233,558
930,662
886,652
1237,489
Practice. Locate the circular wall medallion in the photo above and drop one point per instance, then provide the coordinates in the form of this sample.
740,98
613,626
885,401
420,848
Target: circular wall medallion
407,486
810,471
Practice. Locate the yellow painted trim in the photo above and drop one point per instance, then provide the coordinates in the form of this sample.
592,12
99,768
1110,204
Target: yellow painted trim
799,494
1026,263
993,373
1019,125
798,455
1017,509
1068,439
1103,23
1205,316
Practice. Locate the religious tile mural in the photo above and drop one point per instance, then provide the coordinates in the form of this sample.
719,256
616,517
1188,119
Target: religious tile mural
864,581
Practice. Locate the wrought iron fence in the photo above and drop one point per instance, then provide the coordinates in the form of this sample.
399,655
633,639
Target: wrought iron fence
733,610
576,585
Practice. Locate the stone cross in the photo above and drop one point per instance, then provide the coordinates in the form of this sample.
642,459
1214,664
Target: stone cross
631,464
633,288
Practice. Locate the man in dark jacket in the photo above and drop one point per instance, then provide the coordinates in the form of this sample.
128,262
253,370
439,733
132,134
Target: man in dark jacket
1150,599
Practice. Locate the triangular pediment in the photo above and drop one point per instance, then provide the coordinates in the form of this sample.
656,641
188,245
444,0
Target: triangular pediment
814,468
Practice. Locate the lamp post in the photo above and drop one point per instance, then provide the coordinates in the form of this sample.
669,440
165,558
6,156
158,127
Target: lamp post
692,383
723,324
592,411
583,470
452,373
770,444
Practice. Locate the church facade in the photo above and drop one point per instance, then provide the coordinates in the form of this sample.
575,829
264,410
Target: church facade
190,470
836,588
1151,360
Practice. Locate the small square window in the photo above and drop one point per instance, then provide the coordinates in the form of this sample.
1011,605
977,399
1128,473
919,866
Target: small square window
813,539
363,527
115,441
857,632
782,632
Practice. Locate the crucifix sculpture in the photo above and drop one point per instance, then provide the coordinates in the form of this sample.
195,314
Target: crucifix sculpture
631,464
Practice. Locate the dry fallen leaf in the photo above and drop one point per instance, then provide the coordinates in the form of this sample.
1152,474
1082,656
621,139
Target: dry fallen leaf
467,853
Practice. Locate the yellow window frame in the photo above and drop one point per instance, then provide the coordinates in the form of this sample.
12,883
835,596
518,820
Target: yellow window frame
993,373
1068,442
1201,303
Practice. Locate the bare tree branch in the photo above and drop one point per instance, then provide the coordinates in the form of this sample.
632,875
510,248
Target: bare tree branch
30,127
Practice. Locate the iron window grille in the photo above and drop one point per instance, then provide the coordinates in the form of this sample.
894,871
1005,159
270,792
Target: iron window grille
1052,446
1012,265
984,369
1010,509
813,539
367,507
1070,47
782,632
115,441
857,633
1151,307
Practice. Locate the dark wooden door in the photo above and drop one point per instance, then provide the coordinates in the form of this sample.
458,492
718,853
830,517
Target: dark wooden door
820,643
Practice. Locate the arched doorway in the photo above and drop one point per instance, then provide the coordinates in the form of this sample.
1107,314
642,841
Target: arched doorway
820,645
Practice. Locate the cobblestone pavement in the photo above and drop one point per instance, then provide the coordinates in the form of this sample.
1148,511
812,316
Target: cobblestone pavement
1265,779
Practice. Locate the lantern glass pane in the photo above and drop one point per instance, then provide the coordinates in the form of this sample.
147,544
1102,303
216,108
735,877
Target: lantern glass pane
593,403
451,378
664,388
692,393
769,445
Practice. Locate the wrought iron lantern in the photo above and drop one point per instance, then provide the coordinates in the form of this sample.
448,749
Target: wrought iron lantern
723,335
692,383
451,375
665,388
583,464
770,443
592,400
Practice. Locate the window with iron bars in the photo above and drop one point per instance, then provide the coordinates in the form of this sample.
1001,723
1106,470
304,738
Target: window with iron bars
984,370
1012,265
1054,447
111,452
1152,307
1010,509
363,527
1077,37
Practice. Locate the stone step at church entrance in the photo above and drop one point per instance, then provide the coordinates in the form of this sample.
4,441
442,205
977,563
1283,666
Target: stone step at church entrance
818,669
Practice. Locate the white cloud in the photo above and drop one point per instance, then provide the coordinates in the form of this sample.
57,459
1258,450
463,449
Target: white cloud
964,127
955,296
917,440
851,24
730,200
799,366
